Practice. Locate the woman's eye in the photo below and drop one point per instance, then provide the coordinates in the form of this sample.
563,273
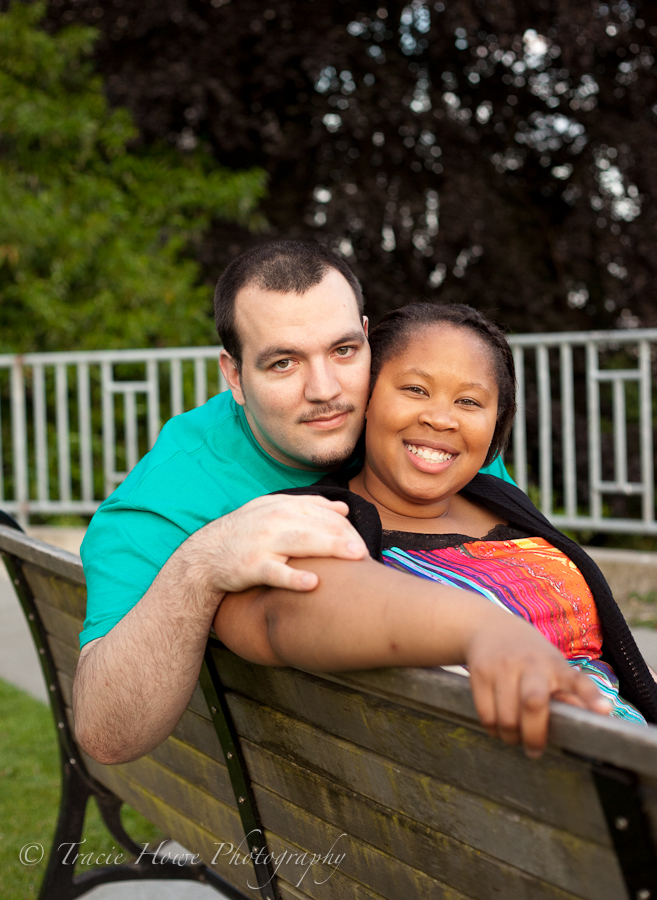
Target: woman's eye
415,389
468,401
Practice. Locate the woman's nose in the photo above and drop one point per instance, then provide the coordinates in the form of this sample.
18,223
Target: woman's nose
439,416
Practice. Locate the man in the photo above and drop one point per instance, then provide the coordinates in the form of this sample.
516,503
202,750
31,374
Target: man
184,528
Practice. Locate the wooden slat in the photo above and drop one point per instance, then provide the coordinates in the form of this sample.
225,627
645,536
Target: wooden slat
182,828
65,656
541,851
66,684
56,591
367,865
535,856
173,790
392,875
198,702
323,883
196,767
50,558
172,804
557,790
60,624
288,892
576,730
452,861
199,732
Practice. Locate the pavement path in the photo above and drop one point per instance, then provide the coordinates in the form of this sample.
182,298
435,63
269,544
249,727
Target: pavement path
19,665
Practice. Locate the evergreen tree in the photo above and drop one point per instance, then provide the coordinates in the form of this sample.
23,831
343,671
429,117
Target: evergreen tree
95,233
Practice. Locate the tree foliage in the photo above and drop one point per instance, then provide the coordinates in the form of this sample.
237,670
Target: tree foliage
500,152
93,234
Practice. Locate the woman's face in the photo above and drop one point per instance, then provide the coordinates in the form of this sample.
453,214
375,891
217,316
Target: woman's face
430,418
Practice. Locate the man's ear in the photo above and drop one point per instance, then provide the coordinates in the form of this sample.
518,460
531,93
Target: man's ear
232,376
366,324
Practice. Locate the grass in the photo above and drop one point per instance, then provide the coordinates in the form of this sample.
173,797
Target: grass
29,797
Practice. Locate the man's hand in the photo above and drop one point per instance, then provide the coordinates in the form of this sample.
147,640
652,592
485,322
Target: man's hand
252,545
515,672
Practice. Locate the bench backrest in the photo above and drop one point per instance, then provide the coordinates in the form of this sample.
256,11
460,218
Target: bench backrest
389,768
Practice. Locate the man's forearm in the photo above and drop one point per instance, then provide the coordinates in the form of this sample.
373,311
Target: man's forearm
132,685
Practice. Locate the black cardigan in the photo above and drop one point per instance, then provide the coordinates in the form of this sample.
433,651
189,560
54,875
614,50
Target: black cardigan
619,648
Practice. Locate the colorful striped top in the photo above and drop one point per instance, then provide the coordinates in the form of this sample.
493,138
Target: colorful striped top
528,577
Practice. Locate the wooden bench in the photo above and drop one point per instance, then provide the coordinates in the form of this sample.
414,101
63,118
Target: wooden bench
385,780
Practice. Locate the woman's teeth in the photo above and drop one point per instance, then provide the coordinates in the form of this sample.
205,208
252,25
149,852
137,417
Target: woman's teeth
431,455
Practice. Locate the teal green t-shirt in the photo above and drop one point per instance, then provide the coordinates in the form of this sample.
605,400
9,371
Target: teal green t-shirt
205,464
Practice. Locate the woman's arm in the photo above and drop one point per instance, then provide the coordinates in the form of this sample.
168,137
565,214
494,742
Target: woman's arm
364,615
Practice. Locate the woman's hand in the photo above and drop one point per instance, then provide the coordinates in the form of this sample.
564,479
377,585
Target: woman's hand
515,672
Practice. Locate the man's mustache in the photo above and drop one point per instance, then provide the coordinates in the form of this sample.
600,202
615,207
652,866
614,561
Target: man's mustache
324,411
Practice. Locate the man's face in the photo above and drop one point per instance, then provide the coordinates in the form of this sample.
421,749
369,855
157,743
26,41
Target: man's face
305,371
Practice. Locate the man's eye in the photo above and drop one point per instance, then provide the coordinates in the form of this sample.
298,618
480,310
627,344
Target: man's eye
345,352
282,365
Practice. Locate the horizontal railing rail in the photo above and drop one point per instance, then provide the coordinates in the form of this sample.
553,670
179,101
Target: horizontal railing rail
72,425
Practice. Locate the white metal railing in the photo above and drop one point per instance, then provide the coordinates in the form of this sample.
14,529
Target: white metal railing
72,425
633,349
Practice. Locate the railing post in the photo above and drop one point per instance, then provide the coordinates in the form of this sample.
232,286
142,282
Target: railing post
19,441
646,427
109,449
176,387
520,424
544,427
593,402
568,428
40,432
153,401
63,432
84,424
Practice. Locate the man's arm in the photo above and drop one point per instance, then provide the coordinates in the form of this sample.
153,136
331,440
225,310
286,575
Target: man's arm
133,684
364,615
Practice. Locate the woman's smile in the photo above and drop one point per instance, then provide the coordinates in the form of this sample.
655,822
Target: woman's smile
429,457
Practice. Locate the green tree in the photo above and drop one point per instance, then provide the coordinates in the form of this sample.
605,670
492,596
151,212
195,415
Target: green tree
95,231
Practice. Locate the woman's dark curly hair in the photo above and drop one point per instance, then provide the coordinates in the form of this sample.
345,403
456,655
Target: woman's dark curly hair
391,336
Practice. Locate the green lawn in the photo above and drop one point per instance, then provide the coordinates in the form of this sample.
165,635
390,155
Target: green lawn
29,795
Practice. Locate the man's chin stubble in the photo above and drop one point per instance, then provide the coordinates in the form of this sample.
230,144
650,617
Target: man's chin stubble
331,459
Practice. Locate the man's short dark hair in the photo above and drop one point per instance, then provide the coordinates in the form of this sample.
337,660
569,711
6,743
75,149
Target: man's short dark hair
284,266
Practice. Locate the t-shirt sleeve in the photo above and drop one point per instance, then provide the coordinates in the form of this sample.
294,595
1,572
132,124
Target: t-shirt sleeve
498,469
124,549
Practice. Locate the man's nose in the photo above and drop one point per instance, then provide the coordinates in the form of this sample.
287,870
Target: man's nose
322,384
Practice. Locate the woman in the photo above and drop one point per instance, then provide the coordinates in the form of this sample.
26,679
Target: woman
441,406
